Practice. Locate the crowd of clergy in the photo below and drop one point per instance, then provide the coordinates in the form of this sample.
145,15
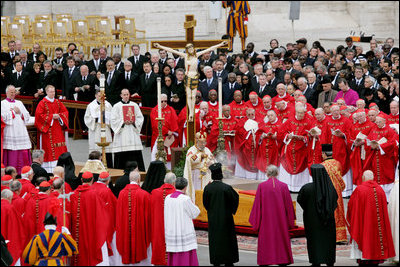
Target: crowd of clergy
320,123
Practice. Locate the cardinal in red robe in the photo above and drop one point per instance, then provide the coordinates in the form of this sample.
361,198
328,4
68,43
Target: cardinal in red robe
284,110
213,105
369,225
26,181
380,153
394,113
238,106
170,127
18,202
51,121
337,133
89,224
314,149
254,101
12,228
358,134
157,199
133,222
110,203
261,113
294,158
36,209
282,95
268,147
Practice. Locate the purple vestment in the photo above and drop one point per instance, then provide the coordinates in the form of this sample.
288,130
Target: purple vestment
350,97
273,215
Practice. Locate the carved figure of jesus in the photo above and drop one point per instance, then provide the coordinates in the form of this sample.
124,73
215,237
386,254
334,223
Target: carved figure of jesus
191,75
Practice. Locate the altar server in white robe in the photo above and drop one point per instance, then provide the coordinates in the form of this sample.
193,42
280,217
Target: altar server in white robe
92,120
16,142
127,145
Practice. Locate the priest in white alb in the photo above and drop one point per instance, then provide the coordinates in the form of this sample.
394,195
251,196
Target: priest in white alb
16,142
126,122
93,122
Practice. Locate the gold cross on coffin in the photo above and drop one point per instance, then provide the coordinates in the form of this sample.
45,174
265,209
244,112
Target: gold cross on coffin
189,25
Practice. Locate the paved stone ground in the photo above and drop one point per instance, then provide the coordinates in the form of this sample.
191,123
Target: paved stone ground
247,244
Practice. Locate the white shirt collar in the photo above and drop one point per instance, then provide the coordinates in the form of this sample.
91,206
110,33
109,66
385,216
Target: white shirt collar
213,104
282,96
50,99
133,182
50,227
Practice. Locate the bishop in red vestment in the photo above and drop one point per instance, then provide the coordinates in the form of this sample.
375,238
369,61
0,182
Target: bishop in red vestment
157,200
369,224
170,127
18,202
110,203
294,158
238,106
12,228
394,113
26,181
246,146
314,149
380,153
213,105
182,121
337,133
268,147
133,221
261,114
284,110
282,95
51,121
89,224
254,101
358,134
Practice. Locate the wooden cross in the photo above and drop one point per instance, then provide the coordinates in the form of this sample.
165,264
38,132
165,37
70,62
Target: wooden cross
189,25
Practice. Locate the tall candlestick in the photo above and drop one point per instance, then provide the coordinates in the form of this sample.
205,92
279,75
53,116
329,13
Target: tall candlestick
220,97
102,81
159,96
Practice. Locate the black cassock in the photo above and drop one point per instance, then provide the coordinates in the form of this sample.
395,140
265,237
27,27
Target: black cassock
221,202
321,238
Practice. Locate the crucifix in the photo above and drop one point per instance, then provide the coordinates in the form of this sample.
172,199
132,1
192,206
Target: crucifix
191,64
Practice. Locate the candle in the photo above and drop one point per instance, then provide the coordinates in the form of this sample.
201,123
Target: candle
159,96
220,97
103,132
102,81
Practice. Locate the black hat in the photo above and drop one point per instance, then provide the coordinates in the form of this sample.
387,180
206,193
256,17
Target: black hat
368,92
348,39
302,41
326,79
326,147
216,171
384,75
49,219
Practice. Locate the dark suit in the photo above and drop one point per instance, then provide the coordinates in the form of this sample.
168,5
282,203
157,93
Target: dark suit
38,171
228,67
86,95
23,82
204,88
27,66
11,57
120,67
61,61
51,78
148,90
102,67
131,83
66,84
34,59
180,64
138,67
311,96
113,90
271,87
310,61
92,66
224,76
178,89
254,83
266,90
227,92
161,63
253,58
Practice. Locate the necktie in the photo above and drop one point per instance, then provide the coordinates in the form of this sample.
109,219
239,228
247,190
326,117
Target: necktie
261,89
127,76
219,74
70,72
12,55
34,57
45,74
109,78
230,86
147,78
96,63
18,76
358,83
209,82
136,60
58,61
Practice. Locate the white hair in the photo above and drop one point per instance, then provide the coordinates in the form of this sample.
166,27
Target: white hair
26,175
272,171
303,79
134,176
6,194
207,68
9,87
170,178
368,175
300,107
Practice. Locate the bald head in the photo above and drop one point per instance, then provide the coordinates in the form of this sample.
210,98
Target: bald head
394,107
250,113
59,171
368,176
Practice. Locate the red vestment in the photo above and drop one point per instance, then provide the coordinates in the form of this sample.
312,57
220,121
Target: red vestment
285,114
3,125
35,210
133,224
261,113
268,149
157,199
182,123
12,229
287,98
340,145
89,224
213,107
238,110
27,187
229,125
251,105
315,155
393,119
51,131
355,155
19,204
294,156
383,166
110,202
207,122
245,147
56,194
368,218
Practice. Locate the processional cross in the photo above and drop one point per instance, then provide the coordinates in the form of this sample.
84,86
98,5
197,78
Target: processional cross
189,25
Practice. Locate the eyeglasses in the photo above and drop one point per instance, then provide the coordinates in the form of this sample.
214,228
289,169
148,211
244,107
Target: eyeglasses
384,79
163,101
245,79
